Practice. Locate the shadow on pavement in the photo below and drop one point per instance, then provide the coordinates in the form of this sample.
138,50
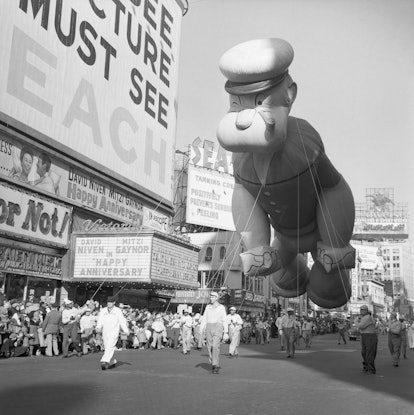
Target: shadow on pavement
336,361
204,366
120,363
44,398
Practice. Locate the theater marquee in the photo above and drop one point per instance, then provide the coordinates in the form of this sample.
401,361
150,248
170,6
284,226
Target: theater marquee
147,257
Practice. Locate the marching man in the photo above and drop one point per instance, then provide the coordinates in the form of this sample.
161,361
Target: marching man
235,324
111,322
214,322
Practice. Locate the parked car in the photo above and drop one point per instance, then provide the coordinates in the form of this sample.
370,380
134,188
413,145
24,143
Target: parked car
354,334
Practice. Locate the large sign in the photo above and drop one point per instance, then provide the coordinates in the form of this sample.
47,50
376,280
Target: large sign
211,156
369,257
96,79
209,196
380,215
200,296
26,216
22,163
30,263
136,257
244,297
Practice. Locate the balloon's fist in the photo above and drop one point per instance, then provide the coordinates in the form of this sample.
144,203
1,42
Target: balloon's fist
260,261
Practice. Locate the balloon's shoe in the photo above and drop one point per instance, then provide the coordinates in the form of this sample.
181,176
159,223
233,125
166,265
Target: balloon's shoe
335,258
260,261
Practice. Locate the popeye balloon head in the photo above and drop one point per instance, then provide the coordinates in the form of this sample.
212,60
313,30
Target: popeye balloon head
261,95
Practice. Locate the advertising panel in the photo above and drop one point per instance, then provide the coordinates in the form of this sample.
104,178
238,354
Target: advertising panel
144,257
125,258
381,215
23,163
30,217
200,296
172,264
369,257
209,195
205,153
96,79
17,260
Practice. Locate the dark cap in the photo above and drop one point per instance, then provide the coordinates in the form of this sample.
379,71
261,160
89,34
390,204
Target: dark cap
111,299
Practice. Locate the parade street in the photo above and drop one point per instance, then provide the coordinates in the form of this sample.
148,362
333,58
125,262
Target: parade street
326,379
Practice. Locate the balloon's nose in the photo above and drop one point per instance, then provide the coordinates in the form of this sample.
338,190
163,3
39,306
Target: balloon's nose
245,118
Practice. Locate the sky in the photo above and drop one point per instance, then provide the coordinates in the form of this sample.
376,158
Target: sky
354,67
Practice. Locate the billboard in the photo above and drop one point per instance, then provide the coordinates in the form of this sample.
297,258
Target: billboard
210,155
136,257
209,196
380,216
370,257
97,81
26,216
20,162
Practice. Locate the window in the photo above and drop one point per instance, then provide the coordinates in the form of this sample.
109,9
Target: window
209,254
223,252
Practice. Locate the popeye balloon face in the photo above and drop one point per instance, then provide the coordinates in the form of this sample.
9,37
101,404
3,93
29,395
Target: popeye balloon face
257,122
261,94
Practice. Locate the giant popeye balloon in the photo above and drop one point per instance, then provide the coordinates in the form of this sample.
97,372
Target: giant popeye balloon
284,180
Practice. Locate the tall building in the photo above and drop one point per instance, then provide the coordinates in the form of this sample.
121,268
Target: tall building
384,256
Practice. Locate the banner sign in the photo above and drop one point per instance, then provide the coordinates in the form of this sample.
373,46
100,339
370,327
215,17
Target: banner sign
211,156
97,79
156,220
243,297
26,216
200,296
30,263
21,162
209,196
146,258
369,257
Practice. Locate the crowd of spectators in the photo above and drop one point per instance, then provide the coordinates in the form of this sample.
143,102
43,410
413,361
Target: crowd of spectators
26,328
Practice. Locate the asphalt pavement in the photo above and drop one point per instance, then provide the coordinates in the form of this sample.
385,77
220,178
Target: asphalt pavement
326,379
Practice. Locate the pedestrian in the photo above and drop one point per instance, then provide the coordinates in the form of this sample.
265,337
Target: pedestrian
410,335
341,326
289,325
70,331
246,333
234,324
186,323
369,339
394,338
158,332
175,325
51,326
214,323
280,330
259,331
111,322
87,325
198,336
403,336
307,332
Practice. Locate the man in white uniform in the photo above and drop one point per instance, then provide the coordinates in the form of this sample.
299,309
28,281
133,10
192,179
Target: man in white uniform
186,331
235,324
214,323
111,322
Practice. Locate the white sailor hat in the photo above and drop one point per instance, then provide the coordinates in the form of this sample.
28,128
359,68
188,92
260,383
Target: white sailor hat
214,294
256,65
